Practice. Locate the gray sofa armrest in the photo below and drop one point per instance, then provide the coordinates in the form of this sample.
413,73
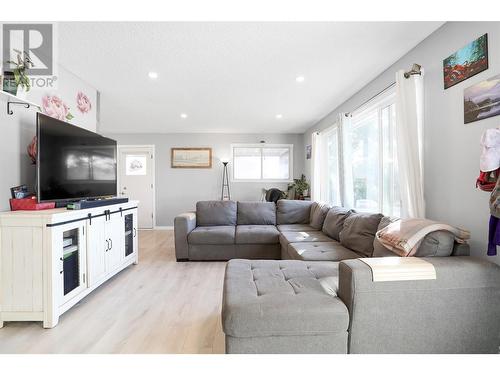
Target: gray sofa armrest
183,225
456,313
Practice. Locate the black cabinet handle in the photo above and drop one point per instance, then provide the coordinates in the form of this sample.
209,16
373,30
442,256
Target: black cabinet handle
107,245
135,232
111,242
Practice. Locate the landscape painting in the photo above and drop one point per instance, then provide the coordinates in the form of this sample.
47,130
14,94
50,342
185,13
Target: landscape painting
191,157
482,100
466,62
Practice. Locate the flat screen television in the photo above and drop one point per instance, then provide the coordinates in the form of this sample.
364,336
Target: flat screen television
73,163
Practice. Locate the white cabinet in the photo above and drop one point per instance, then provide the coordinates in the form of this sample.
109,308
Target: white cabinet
50,260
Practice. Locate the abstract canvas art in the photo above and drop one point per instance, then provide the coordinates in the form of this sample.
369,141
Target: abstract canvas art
482,100
466,62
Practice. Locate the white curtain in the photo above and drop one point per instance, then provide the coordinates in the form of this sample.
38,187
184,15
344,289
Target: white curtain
409,136
315,167
319,165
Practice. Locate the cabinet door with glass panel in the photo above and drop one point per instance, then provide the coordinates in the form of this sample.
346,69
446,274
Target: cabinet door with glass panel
69,243
131,243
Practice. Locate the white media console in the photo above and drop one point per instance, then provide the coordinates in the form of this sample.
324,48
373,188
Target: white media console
51,259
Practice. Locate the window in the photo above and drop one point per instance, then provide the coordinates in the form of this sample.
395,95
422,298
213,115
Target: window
356,159
262,162
371,172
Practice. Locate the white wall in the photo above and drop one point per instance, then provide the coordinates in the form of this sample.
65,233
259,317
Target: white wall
178,190
451,148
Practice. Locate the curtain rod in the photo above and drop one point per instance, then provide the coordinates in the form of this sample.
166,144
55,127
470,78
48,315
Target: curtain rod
415,70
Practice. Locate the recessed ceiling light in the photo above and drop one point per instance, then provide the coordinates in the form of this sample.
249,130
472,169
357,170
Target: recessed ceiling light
153,75
300,79
279,116
183,115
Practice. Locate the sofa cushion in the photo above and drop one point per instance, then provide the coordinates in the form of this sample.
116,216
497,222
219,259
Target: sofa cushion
256,213
212,235
334,221
436,244
215,213
287,297
359,231
318,215
293,212
327,251
295,228
291,237
257,234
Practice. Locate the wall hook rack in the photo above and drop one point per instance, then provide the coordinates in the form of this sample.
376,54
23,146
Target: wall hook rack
11,112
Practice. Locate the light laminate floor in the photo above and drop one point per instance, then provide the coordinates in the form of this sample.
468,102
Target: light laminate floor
157,306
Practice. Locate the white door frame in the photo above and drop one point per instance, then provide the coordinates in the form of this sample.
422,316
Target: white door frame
153,169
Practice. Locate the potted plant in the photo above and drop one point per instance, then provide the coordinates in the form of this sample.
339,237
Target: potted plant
300,185
17,81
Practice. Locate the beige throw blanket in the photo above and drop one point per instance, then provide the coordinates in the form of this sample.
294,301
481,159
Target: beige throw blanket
403,237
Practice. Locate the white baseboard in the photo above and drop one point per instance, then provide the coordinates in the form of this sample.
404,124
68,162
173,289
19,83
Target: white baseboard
162,227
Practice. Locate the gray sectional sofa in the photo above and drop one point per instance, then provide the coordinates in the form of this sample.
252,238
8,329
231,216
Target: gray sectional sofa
290,229
317,296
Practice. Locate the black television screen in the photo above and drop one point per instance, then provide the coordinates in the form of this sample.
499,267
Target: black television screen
73,163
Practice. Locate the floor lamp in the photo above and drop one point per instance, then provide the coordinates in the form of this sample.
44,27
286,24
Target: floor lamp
226,194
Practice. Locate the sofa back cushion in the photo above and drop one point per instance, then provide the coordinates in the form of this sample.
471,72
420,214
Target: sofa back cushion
440,243
293,212
256,213
318,215
215,213
436,244
334,221
359,231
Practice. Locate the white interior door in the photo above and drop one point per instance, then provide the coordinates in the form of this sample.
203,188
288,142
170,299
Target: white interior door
136,180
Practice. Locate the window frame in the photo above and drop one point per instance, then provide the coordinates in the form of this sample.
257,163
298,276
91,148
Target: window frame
261,146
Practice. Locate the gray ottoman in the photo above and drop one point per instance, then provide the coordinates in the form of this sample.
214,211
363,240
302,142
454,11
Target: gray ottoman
287,306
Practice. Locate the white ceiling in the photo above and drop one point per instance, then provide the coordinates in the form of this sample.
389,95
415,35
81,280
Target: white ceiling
229,77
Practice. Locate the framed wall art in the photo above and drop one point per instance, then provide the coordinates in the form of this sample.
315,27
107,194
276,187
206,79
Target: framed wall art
466,62
482,100
192,157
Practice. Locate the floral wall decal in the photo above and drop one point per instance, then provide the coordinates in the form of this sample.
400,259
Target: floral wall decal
83,103
53,106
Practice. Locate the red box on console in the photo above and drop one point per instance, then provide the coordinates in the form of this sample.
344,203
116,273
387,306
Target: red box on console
29,204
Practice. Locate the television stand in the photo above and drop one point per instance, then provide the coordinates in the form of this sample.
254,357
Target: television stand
54,258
